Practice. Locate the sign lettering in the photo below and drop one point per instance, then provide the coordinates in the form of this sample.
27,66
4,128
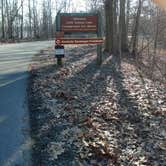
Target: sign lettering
79,41
79,24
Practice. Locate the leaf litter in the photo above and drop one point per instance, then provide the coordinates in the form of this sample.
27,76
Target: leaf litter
98,116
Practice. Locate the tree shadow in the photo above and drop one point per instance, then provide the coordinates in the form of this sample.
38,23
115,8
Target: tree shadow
129,113
89,84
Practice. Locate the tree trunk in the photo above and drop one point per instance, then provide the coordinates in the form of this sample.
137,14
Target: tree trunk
127,21
135,31
155,44
34,20
22,19
3,20
115,26
109,25
30,18
122,23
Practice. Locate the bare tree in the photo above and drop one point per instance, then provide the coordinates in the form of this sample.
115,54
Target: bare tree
22,19
30,18
135,30
122,25
3,20
109,25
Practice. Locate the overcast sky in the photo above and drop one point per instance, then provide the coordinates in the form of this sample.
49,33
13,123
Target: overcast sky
76,6
80,5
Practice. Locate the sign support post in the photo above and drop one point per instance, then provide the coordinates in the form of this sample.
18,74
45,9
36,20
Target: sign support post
59,56
59,61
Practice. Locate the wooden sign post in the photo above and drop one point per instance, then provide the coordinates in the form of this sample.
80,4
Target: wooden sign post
70,24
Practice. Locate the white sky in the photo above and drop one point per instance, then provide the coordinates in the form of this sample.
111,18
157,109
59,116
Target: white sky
80,5
76,6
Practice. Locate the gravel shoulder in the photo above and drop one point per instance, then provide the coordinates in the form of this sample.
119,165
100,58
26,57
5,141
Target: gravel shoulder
83,114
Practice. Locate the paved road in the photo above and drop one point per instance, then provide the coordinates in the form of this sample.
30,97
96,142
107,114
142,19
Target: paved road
14,60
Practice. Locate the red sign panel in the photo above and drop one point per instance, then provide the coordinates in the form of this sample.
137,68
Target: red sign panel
79,41
79,23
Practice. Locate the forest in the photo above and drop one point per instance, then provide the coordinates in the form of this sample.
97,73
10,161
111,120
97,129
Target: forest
79,112
137,27
110,113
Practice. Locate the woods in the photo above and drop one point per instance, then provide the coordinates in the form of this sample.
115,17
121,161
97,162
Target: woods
26,19
136,28
123,20
82,82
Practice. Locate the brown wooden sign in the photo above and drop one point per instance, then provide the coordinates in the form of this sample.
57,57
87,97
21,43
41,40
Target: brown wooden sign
59,34
63,41
71,25
79,23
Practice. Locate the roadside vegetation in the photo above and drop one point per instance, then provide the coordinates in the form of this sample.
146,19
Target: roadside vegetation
84,114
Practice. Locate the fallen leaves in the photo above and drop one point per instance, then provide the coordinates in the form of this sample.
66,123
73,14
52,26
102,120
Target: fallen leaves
162,145
98,116
64,95
56,149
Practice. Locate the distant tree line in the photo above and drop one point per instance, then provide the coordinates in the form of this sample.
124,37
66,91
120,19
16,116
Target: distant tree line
21,19
137,27
125,21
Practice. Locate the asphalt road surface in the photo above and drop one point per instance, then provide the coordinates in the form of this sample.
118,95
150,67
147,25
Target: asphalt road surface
14,141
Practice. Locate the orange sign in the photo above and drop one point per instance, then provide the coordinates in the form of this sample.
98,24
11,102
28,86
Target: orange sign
161,3
79,41
79,23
